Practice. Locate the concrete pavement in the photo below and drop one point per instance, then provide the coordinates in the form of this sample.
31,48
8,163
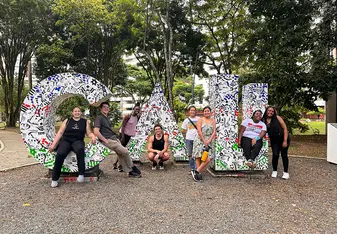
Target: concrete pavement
13,152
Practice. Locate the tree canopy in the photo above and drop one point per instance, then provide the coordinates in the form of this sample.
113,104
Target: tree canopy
285,43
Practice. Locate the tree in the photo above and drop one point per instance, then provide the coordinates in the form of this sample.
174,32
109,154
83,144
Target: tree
22,28
167,39
225,24
97,33
137,86
278,54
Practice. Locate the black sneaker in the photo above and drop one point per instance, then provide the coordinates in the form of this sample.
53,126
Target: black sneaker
154,166
134,174
120,168
135,169
196,175
115,166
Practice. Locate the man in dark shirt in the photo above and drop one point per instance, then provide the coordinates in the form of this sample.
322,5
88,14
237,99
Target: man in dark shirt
103,130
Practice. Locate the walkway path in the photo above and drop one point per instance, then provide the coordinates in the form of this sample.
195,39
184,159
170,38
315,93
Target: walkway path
13,153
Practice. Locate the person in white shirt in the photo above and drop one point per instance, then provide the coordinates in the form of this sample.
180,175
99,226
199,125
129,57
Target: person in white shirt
189,127
251,132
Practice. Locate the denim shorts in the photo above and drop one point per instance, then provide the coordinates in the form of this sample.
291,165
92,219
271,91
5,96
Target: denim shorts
189,146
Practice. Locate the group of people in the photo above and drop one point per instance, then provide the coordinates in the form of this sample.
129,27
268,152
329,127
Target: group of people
252,131
200,134
70,137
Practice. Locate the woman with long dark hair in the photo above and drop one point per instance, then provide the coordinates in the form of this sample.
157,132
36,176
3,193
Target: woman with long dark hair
279,140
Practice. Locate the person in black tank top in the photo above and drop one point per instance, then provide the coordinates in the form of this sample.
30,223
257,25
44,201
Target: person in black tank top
279,140
70,137
157,148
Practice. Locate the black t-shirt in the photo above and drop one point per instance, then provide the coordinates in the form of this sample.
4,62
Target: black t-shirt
105,127
158,144
75,130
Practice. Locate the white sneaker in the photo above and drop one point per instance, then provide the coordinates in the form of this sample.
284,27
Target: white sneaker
285,176
161,168
80,178
154,168
274,174
54,184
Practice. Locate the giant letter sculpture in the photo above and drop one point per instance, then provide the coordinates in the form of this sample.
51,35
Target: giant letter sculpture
223,93
155,111
255,97
37,122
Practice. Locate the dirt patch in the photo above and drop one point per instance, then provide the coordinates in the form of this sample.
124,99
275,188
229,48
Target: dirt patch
309,145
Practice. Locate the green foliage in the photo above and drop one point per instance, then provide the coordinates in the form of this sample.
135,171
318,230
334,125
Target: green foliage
319,111
65,109
180,108
22,27
183,90
52,59
90,36
115,113
314,128
292,116
226,28
137,86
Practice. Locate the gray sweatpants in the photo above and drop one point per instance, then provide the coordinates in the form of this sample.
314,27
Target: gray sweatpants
122,152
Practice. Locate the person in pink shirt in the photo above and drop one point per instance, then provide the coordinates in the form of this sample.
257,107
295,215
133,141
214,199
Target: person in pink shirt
128,129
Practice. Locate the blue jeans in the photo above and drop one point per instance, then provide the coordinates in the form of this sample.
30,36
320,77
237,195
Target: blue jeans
191,160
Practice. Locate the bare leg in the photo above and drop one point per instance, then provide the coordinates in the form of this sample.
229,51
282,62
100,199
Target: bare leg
203,165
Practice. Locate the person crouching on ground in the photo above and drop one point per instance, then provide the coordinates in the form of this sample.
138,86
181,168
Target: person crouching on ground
251,132
71,138
206,127
103,130
157,148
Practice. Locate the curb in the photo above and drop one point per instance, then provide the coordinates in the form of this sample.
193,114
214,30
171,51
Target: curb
16,167
2,146
304,156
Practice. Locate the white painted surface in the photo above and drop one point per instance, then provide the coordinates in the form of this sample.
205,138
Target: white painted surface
332,143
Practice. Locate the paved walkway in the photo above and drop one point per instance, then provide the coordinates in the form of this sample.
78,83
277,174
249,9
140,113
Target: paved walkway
13,152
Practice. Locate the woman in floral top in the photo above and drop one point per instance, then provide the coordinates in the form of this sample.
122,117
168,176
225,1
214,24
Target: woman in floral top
206,127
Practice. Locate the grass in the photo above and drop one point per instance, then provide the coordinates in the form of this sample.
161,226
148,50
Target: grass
315,128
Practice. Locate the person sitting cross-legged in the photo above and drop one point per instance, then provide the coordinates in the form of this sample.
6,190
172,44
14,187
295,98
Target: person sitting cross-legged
157,148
